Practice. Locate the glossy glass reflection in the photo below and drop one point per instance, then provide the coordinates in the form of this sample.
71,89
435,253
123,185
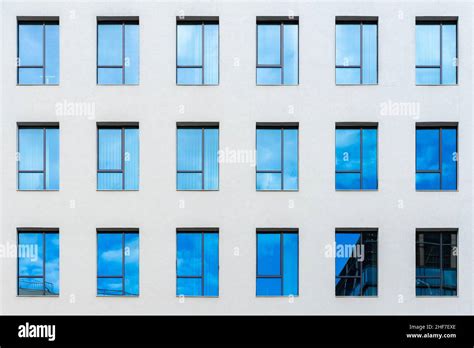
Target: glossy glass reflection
197,264
38,263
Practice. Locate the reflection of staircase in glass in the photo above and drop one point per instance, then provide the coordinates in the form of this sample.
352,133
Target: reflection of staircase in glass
36,287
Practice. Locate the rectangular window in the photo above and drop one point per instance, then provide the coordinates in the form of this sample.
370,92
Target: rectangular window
356,157
277,158
197,263
118,47
277,51
356,263
436,157
356,51
197,51
38,52
118,159
197,157
38,262
436,52
117,263
277,263
38,157
436,263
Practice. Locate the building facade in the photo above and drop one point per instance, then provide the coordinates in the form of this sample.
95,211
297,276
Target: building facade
235,157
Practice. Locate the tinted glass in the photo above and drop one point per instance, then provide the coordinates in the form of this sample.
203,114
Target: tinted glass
268,44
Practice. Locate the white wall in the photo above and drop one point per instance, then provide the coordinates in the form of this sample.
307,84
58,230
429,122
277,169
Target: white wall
237,209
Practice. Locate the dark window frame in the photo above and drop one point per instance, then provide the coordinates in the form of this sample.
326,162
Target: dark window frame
281,232
117,231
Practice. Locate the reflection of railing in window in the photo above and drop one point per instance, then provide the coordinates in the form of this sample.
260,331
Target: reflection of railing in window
110,292
36,287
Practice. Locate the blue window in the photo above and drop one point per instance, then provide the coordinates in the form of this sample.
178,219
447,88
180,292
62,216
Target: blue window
118,158
38,263
436,52
38,158
38,52
197,52
118,52
436,263
277,52
117,263
356,263
197,263
356,158
277,158
277,263
197,158
356,52
436,158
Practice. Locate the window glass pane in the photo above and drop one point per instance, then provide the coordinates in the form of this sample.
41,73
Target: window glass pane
268,254
31,148
189,41
369,161
52,159
109,254
348,44
109,287
211,166
30,44
189,181
268,44
347,149
189,254
449,54
52,264
427,149
427,181
110,50
109,181
189,76
449,155
30,286
290,44
268,181
31,181
188,287
132,48
211,264
131,254
268,76
348,287
189,149
348,76
290,159
347,181
428,287
269,149
110,149
52,53
427,76
132,159
109,76
211,54
30,76
269,287
428,44
369,54
369,264
348,254
30,255
290,264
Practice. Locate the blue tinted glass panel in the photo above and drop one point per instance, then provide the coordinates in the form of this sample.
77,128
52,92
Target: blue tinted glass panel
290,159
189,41
369,54
427,181
52,264
31,286
348,76
189,254
268,254
347,261
268,76
211,54
269,287
348,44
268,44
132,48
110,149
211,166
290,264
269,149
131,254
427,149
109,287
427,76
189,181
290,54
189,287
211,264
30,76
132,158
109,181
30,44
52,54
30,254
369,161
109,254
348,149
268,181
428,44
189,149
348,287
52,159
31,181
449,155
109,76
31,142
347,181
189,76
449,54
110,40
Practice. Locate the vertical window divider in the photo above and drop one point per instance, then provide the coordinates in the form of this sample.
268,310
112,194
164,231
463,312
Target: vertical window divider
202,159
440,149
282,255
123,156
441,259
441,53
